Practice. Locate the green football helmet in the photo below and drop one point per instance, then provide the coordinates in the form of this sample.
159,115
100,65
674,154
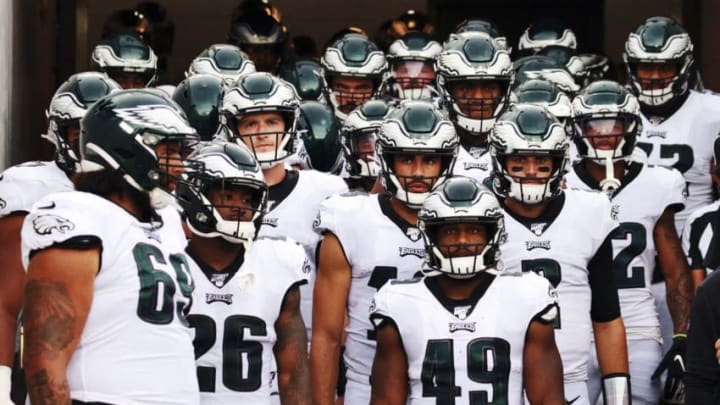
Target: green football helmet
68,105
122,131
528,130
223,166
319,132
415,128
306,76
659,41
200,97
461,200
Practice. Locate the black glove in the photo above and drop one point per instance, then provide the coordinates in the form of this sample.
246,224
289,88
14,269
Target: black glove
674,363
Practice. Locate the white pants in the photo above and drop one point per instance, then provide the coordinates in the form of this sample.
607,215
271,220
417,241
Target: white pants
357,394
576,393
643,357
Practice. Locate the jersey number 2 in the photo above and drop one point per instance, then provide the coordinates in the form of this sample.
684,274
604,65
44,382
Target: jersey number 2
626,276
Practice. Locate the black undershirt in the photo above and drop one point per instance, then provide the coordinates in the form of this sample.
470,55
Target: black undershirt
605,304
280,191
221,277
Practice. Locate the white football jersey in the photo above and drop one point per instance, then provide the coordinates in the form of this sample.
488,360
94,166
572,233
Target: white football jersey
291,214
559,245
646,192
475,163
23,185
234,314
379,246
462,354
685,141
698,234
136,346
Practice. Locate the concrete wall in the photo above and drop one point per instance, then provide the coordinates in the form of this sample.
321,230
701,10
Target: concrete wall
6,26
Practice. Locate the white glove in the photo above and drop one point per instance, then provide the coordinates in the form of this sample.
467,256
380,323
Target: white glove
5,384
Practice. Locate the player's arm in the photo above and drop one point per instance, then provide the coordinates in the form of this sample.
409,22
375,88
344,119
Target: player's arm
389,377
608,326
674,266
12,275
56,302
291,351
542,366
690,242
330,294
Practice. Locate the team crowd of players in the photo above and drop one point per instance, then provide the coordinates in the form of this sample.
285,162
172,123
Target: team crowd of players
426,221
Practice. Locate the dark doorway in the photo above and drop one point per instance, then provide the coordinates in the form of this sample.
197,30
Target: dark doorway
585,17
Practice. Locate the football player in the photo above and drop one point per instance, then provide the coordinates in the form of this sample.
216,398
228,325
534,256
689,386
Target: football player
353,67
465,332
679,124
700,229
358,137
260,34
474,75
370,239
127,60
261,112
246,302
412,67
200,97
606,123
544,33
109,326
223,60
24,184
565,235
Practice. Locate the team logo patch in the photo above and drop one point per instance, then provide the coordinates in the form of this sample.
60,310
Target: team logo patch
537,244
152,234
467,326
47,224
224,298
477,152
413,233
538,228
406,251
306,267
219,279
270,221
475,165
614,211
462,312
654,133
159,117
317,221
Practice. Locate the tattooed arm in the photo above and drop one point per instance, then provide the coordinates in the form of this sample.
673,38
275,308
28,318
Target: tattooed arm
673,263
291,351
56,301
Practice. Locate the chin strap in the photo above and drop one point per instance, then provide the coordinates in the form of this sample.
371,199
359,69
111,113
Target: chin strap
609,184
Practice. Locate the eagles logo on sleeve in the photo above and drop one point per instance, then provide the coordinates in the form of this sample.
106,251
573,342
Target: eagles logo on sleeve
46,224
317,221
